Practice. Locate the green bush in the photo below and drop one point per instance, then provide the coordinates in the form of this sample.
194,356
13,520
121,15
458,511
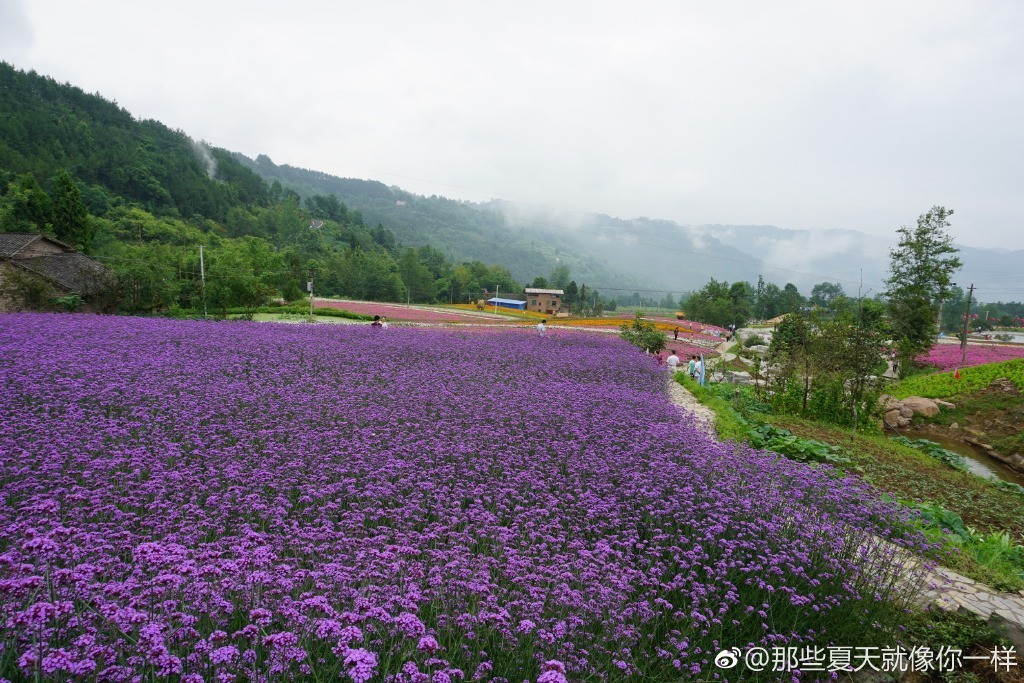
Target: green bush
936,451
754,340
1001,558
643,333
786,443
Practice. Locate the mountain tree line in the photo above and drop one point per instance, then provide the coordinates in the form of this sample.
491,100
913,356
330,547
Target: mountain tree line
142,199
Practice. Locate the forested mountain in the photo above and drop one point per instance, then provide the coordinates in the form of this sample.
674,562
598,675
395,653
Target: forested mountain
143,198
463,231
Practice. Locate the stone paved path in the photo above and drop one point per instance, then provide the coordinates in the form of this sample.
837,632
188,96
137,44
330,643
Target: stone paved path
946,589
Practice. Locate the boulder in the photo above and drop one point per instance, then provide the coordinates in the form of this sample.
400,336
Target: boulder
945,405
905,411
921,406
739,378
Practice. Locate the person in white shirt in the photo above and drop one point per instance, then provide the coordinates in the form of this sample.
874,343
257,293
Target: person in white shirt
542,327
673,362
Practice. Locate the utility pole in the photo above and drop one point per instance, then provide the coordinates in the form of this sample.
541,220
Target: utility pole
202,277
967,319
309,286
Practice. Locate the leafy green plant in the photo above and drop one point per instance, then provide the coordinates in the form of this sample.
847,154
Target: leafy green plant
69,303
786,443
936,451
996,552
644,334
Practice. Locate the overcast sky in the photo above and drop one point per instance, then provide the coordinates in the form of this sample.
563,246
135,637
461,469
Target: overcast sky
801,114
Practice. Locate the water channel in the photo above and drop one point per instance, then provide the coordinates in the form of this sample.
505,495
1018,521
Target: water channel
978,461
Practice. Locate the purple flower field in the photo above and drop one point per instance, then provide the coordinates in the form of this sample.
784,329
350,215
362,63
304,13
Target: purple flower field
242,501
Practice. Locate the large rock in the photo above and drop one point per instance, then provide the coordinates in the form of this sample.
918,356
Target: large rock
739,378
921,406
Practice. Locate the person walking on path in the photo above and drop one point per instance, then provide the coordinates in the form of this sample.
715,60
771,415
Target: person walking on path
542,327
692,367
673,362
675,334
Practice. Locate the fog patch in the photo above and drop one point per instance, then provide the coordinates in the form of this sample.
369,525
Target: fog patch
202,152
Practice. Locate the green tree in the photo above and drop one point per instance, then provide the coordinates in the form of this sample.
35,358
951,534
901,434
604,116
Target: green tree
920,276
419,282
769,301
824,293
71,222
559,277
643,333
25,206
791,299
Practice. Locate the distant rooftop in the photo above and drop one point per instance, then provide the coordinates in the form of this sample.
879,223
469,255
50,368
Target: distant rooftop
532,290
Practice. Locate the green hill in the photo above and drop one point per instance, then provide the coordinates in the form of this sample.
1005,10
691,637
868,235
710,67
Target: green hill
463,231
147,197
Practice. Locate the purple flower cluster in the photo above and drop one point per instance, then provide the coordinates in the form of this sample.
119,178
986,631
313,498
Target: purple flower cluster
245,501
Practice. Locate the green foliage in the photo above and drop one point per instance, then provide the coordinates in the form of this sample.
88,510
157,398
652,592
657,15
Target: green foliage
996,552
955,630
945,385
936,451
920,276
644,334
729,424
825,293
143,198
69,303
24,291
784,442
754,340
71,222
720,303
825,361
25,206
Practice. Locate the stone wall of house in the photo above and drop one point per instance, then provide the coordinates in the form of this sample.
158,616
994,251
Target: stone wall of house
11,277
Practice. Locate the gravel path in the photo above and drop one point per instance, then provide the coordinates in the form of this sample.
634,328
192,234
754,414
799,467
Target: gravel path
702,416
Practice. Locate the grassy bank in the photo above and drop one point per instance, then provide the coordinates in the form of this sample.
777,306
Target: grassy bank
965,512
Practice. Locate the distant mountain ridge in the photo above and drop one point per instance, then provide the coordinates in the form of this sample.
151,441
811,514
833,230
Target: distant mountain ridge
644,253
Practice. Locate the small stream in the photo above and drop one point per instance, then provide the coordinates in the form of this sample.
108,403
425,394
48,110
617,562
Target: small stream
979,462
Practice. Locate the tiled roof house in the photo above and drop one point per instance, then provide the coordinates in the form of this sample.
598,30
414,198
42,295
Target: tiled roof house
65,270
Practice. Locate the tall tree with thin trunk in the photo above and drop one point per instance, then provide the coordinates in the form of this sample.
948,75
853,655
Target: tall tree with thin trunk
921,269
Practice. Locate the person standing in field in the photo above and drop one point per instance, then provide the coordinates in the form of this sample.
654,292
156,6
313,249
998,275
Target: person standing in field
675,335
376,322
384,322
542,327
692,367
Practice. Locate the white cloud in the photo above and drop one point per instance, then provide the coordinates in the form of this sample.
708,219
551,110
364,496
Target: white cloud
797,113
